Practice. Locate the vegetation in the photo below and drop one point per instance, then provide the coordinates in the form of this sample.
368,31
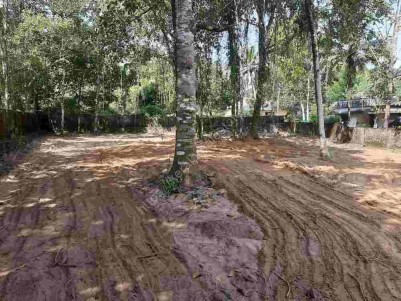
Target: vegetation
196,58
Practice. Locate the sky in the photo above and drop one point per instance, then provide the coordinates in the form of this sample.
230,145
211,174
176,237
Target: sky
253,41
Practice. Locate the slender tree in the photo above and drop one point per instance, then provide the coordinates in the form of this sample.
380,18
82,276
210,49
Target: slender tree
235,64
262,7
4,52
311,22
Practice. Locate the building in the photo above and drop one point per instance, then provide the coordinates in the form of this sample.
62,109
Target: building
368,112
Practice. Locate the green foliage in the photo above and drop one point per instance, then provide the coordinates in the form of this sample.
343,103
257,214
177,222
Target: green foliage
152,111
338,89
333,119
170,185
65,48
149,94
362,86
112,56
314,119
108,112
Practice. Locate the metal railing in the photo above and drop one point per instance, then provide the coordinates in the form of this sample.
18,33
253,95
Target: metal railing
358,103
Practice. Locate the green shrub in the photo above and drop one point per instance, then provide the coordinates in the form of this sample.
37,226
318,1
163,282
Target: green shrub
170,185
333,119
152,111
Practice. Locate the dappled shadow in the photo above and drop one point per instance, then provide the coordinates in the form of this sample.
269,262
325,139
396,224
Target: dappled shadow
69,231
331,228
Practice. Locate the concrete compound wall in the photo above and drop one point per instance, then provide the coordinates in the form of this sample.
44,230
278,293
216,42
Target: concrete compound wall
378,137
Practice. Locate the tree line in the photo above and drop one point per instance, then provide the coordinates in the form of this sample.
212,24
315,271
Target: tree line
195,58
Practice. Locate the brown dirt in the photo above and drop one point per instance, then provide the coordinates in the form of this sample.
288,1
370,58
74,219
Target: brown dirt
78,222
332,229
71,229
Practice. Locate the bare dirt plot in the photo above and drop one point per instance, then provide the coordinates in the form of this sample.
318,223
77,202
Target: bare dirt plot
332,229
70,230
71,226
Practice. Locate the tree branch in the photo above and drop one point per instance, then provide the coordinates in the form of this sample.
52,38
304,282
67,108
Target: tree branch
212,28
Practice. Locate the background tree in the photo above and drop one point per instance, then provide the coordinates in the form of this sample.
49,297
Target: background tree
311,25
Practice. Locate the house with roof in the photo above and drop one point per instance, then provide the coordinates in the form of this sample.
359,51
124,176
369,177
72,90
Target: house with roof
368,112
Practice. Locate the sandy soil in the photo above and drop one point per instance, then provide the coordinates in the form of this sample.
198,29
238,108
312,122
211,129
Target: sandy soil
79,220
332,229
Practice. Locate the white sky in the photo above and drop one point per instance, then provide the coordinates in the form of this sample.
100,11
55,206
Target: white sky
253,41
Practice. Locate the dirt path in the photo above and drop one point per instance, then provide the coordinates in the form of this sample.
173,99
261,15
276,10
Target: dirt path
75,226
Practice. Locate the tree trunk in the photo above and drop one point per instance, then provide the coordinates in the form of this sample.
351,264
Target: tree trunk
4,54
386,116
395,32
79,105
96,119
394,42
200,123
36,109
262,72
307,100
124,96
243,47
278,101
62,115
62,92
234,61
303,112
185,149
324,152
350,75
264,40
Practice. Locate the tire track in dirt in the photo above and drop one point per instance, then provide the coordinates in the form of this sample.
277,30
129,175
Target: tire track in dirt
325,243
25,246
71,231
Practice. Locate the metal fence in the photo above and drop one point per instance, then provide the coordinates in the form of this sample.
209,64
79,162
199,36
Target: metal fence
14,123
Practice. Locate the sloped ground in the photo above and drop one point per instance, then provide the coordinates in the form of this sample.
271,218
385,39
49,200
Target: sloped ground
79,221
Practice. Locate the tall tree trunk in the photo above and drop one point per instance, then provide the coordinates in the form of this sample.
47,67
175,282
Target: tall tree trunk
62,116
96,119
62,91
307,100
386,116
234,61
309,8
185,149
79,105
62,104
4,54
264,40
125,97
394,42
303,112
278,101
243,48
124,94
396,32
99,81
262,71
36,108
350,75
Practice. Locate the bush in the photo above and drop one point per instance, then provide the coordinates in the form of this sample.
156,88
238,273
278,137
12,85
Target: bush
170,185
314,119
333,119
152,111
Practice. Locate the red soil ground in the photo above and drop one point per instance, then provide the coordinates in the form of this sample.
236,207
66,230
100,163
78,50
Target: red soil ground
79,221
